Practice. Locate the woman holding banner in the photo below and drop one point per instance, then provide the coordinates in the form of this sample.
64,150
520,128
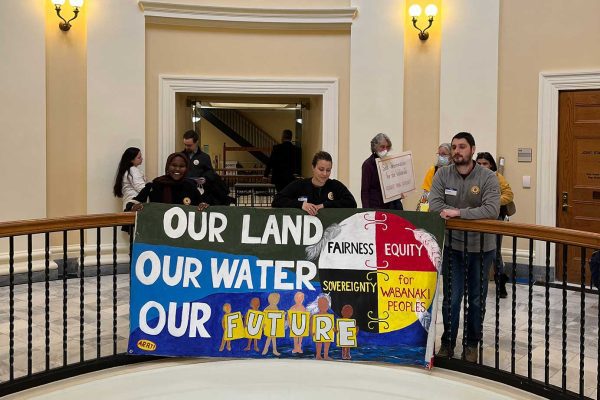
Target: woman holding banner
172,188
313,194
370,188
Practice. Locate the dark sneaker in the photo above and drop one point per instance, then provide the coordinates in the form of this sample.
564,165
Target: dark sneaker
470,353
445,351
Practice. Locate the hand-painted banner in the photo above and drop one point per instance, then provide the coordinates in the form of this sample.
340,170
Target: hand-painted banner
247,282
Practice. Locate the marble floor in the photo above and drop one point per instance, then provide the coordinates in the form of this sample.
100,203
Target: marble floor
98,338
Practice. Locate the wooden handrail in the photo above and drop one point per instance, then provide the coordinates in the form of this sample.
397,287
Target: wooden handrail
527,231
17,228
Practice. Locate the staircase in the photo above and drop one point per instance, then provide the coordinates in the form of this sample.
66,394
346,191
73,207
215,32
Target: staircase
239,129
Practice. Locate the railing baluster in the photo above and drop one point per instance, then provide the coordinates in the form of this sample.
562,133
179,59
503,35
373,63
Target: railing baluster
98,314
448,324
65,293
114,283
47,297
497,299
465,293
530,313
582,327
11,307
481,296
564,316
29,306
513,321
547,324
81,294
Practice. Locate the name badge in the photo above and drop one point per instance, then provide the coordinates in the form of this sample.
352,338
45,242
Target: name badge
302,199
451,192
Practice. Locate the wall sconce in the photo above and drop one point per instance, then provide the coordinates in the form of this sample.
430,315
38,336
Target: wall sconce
415,10
76,4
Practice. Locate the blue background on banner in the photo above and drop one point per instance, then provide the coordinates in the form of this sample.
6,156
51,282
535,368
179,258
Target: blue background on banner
403,346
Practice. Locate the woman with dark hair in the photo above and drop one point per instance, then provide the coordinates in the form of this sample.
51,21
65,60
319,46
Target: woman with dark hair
130,179
370,187
486,160
171,188
313,194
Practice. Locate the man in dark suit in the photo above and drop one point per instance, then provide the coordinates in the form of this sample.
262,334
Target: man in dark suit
284,162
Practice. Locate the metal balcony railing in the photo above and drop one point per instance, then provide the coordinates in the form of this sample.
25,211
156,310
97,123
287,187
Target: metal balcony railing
64,309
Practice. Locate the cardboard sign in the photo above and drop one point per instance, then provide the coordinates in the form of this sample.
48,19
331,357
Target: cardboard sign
396,175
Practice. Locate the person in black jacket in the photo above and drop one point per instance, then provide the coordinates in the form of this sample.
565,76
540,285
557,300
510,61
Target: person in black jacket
313,194
172,188
285,162
199,161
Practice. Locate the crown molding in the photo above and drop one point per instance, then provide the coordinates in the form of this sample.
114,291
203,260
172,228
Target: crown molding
251,18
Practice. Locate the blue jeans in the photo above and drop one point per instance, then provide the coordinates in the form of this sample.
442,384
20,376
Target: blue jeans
453,295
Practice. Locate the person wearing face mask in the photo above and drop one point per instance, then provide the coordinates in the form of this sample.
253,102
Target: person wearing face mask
172,188
442,158
486,160
313,194
370,188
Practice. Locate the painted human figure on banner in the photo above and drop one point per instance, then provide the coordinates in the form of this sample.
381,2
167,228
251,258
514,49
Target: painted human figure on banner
224,340
298,306
254,305
273,300
323,343
347,313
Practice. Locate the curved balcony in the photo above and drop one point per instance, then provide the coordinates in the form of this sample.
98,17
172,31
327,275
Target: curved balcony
64,297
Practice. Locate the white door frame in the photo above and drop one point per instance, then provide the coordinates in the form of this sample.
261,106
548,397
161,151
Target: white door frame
547,145
170,85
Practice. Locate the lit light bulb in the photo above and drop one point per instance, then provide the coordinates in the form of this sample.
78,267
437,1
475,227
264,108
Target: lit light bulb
58,2
414,10
431,10
76,3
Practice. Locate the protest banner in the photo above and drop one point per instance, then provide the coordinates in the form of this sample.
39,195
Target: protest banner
249,282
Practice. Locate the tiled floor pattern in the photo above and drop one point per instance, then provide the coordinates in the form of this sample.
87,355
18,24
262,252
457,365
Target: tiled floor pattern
56,324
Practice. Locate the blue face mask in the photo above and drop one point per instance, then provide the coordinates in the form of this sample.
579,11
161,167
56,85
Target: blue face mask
443,161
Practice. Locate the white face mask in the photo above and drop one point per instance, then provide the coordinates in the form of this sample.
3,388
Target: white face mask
382,153
442,161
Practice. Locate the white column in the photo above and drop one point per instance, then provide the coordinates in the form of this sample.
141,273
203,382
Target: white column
115,94
469,71
376,79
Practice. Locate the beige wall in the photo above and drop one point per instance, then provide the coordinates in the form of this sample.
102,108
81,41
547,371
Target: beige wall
66,105
537,36
22,110
209,52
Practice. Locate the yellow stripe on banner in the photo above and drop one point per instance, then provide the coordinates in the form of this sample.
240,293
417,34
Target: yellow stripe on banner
254,324
346,332
402,296
323,328
274,323
299,323
234,326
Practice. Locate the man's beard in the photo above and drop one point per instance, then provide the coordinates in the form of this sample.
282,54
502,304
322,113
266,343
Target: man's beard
462,161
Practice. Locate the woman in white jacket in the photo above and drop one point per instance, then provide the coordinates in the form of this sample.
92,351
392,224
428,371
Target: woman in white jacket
130,179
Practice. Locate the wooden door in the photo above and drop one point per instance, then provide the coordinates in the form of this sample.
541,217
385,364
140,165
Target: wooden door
578,180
